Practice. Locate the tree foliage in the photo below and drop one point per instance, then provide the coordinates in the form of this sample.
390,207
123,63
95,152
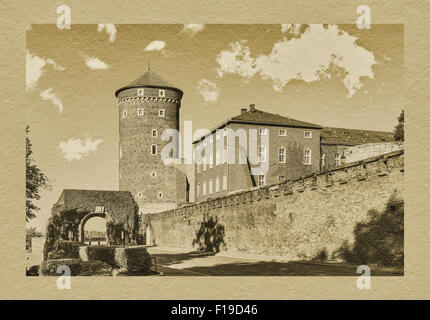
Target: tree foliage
399,134
35,180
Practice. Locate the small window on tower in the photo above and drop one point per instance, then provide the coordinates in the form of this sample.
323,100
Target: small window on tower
139,194
308,134
153,174
154,132
154,149
160,195
140,92
161,112
124,114
140,112
161,93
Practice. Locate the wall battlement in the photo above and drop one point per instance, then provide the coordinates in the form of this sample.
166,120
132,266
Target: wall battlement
294,218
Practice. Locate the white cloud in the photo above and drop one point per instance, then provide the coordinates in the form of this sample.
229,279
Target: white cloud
95,63
75,149
291,28
50,96
156,45
193,28
307,58
34,69
110,30
208,90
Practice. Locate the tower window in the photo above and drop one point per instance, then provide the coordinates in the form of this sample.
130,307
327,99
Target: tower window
161,112
154,149
154,132
160,194
323,160
261,180
262,131
262,154
337,159
308,134
281,155
139,194
140,92
281,178
282,132
124,114
161,93
153,174
198,190
307,157
140,112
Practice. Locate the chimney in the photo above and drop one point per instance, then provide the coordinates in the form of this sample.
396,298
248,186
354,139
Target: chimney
252,107
242,110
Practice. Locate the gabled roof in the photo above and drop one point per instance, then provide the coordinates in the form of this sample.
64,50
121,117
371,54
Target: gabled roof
254,116
149,79
262,117
353,136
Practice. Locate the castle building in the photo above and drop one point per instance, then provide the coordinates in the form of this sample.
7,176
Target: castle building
148,106
293,150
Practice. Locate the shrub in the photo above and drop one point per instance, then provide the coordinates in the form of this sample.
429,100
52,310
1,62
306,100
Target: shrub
322,255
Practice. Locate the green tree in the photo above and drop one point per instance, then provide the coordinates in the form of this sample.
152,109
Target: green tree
35,180
399,134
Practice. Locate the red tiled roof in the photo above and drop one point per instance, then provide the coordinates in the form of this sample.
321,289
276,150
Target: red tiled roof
353,136
149,79
258,116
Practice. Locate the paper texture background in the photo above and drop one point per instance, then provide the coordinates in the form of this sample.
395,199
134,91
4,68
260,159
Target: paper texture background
16,15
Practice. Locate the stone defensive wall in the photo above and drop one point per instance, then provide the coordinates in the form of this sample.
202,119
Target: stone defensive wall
294,219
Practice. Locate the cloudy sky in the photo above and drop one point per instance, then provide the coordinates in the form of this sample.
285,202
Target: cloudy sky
332,75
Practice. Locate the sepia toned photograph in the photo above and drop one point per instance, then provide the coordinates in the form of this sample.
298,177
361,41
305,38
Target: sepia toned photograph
215,150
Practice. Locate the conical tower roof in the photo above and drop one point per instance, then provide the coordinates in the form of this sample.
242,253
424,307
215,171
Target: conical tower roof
149,79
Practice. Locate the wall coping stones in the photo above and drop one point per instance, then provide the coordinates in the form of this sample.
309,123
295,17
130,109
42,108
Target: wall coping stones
360,170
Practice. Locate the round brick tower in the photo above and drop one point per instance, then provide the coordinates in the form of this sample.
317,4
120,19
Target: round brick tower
148,106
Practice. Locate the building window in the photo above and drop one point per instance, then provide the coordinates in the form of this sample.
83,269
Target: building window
211,162
140,92
218,135
337,159
139,194
162,93
210,186
154,149
153,174
308,134
205,166
198,190
217,158
262,154
307,157
282,132
120,151
204,188
154,132
217,184
225,132
225,156
323,160
281,178
140,112
224,182
261,180
124,114
161,112
262,131
160,195
281,155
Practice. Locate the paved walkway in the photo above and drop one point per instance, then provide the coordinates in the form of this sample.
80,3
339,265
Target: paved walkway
177,262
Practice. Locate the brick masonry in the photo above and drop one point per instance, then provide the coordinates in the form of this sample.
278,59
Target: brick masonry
295,219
